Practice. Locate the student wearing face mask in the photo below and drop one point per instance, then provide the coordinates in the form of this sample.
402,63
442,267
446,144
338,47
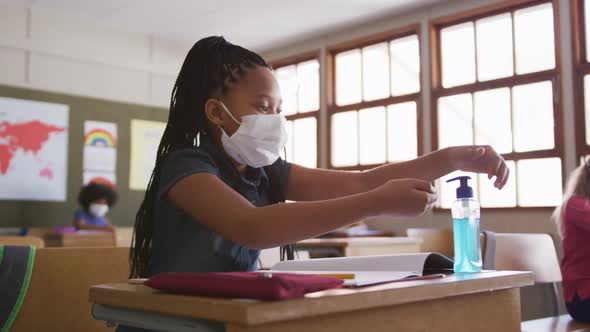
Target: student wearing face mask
212,201
95,201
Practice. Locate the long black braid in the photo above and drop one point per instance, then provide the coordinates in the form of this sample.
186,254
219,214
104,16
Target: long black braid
209,69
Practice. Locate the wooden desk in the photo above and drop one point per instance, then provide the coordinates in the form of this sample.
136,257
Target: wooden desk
365,246
80,239
487,301
563,323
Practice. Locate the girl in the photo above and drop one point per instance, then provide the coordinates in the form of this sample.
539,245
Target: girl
573,223
95,201
210,203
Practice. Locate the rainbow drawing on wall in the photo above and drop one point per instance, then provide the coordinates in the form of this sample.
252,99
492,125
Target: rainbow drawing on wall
100,137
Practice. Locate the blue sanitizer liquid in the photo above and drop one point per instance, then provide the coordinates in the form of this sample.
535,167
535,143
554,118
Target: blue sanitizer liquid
466,241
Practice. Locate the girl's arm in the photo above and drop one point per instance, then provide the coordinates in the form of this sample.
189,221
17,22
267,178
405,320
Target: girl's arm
210,201
306,184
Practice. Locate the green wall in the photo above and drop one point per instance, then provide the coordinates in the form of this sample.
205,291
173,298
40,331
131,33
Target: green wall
21,213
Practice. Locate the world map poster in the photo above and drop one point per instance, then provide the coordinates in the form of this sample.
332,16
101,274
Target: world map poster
33,150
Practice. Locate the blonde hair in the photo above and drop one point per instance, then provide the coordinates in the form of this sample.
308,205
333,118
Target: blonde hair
578,184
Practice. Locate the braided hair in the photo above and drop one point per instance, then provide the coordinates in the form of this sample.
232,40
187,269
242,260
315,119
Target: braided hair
211,66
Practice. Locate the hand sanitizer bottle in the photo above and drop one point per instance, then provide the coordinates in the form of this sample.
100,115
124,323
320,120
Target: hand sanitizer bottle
465,212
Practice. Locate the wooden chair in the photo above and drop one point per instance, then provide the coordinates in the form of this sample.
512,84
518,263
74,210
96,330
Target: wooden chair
57,298
22,241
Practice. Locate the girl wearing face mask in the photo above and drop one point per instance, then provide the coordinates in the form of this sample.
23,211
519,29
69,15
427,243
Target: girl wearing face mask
95,200
212,202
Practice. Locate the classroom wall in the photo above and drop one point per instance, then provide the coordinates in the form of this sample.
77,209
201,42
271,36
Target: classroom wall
102,74
41,214
44,50
530,220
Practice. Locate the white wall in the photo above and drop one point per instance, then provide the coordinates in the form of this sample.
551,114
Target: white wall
521,220
44,50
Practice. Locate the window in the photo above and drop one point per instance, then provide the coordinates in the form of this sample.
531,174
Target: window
300,88
495,82
373,116
581,15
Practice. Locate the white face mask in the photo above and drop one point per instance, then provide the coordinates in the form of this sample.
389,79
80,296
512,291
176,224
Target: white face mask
98,210
258,141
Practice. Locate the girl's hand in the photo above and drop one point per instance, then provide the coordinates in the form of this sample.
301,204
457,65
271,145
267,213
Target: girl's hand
405,197
480,159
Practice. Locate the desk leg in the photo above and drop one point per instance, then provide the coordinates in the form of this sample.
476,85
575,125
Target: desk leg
491,311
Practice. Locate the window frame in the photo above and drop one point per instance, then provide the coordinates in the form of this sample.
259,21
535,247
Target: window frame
553,75
333,108
295,60
581,67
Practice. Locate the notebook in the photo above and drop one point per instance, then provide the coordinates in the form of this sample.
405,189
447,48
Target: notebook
369,270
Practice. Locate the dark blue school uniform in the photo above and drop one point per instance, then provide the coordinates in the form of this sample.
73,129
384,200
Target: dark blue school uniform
181,243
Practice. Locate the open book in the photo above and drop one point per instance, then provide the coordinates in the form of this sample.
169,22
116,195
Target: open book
369,270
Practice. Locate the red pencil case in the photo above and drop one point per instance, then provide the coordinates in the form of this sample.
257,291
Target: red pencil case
251,285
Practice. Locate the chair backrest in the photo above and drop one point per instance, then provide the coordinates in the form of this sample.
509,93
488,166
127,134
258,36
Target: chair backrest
434,240
57,299
22,241
528,252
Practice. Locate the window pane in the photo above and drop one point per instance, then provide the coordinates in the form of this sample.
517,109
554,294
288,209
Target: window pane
534,39
539,182
372,133
492,119
490,196
494,47
348,77
455,120
587,32
405,65
457,55
289,146
587,107
345,139
447,192
308,76
287,78
402,140
533,117
305,142
375,72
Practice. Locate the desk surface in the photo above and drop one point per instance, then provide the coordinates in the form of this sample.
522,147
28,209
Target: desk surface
563,323
81,238
358,242
249,312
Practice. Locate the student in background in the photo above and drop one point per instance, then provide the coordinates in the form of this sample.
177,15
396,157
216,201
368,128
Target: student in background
210,204
573,223
95,201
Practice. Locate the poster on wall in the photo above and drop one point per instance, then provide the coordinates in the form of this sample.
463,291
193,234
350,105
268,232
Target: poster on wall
33,150
100,150
145,139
